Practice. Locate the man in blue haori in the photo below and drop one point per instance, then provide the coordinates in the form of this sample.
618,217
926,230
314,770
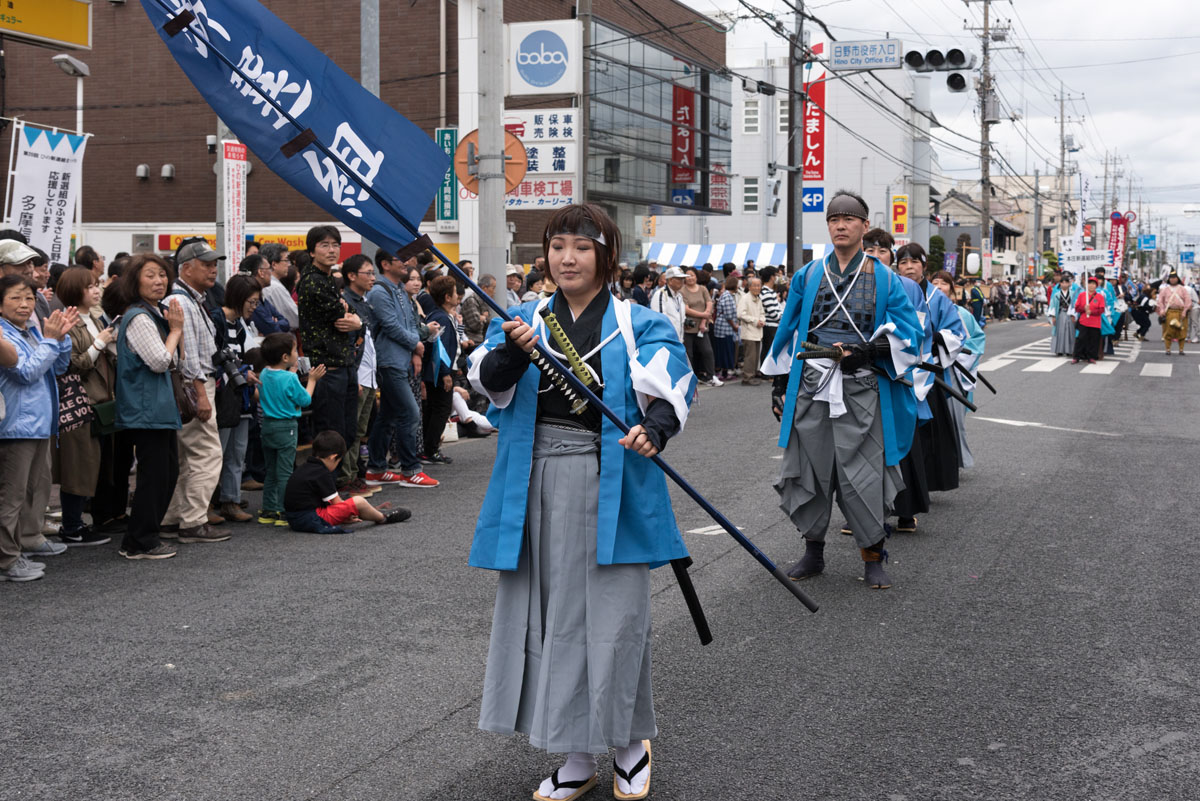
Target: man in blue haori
846,424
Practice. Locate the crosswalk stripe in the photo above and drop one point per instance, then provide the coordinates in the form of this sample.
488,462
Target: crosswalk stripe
1100,368
991,365
1045,365
709,531
1156,370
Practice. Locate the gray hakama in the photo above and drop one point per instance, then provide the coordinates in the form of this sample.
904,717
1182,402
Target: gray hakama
958,413
842,454
1063,341
569,657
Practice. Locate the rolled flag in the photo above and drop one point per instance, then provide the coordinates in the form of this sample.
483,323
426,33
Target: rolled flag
442,360
310,122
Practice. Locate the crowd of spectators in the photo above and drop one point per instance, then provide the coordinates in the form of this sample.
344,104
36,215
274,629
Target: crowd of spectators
149,367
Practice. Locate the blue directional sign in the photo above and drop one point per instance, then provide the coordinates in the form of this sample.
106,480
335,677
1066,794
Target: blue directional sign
683,197
1148,242
1187,257
814,198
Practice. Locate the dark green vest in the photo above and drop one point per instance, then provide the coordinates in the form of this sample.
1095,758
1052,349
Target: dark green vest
144,398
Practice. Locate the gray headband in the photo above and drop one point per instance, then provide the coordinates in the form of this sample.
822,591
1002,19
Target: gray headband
586,228
848,205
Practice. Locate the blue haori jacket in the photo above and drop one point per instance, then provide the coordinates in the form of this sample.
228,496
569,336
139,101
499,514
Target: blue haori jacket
644,359
895,318
975,342
922,379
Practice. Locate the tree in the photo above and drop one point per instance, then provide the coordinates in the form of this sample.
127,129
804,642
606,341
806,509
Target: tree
1051,259
937,253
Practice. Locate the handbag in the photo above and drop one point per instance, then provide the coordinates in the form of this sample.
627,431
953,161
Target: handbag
185,396
104,421
74,408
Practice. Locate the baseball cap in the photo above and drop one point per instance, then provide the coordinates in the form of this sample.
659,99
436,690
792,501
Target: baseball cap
673,272
514,270
197,250
13,252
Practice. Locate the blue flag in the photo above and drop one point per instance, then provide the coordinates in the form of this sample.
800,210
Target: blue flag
441,360
277,69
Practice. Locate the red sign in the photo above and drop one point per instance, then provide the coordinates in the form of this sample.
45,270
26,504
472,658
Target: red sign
718,188
683,143
814,121
1116,241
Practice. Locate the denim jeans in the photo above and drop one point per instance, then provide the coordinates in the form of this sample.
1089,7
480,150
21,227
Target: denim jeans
233,447
397,409
279,450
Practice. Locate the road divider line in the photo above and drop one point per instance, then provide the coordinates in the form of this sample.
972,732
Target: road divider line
1030,424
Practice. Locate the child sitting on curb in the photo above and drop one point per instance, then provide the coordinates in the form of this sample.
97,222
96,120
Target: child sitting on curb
311,502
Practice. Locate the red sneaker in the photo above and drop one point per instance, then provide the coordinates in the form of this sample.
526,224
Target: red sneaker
418,479
382,477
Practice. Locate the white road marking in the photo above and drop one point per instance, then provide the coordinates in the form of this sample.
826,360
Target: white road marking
710,531
1156,370
992,365
1105,367
1045,365
1030,424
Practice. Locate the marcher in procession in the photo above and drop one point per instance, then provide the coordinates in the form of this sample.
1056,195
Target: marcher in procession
1062,317
573,522
1108,326
969,357
938,437
880,244
1173,305
1089,308
845,424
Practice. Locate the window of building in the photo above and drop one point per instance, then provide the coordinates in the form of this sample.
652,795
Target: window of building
784,120
750,195
750,117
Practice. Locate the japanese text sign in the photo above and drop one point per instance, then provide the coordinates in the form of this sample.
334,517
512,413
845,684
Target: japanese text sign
683,138
49,167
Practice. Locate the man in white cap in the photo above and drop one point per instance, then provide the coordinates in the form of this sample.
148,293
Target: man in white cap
200,453
16,258
513,281
668,300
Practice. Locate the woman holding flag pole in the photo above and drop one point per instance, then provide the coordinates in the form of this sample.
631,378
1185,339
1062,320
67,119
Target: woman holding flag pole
436,372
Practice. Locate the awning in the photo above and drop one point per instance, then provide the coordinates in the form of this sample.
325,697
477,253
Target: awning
685,255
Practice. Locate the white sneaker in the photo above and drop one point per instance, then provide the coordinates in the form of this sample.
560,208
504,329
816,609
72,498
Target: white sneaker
21,570
715,382
47,548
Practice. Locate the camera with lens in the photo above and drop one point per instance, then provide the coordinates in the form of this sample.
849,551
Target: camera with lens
228,361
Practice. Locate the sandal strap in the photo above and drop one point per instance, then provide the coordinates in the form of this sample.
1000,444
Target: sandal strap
575,785
628,777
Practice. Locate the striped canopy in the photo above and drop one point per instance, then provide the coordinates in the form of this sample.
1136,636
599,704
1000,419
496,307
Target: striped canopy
683,255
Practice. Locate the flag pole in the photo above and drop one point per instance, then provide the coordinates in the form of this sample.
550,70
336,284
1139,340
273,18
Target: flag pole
178,22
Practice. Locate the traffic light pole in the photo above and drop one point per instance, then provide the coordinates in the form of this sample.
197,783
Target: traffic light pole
985,148
795,220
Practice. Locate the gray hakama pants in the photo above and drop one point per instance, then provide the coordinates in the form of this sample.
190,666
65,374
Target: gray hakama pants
842,455
958,413
569,658
1062,343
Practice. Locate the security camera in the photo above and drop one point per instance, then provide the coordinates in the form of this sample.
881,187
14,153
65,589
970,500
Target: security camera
168,172
211,139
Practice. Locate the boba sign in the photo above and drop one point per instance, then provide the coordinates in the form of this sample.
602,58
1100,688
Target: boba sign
544,57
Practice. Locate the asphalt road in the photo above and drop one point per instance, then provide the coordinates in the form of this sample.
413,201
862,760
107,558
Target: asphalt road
1040,641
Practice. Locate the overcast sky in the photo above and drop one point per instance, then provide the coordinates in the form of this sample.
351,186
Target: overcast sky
1127,70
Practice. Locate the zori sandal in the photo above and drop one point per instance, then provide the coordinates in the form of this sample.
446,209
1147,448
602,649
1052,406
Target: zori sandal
581,787
642,764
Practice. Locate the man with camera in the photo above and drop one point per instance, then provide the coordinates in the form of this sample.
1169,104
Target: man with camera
188,517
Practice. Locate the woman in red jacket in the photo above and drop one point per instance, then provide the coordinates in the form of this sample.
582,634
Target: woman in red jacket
1089,307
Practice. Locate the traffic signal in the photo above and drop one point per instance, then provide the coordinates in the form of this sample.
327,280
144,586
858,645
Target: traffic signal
774,201
954,60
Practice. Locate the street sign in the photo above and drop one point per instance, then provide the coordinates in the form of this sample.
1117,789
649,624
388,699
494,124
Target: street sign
683,197
814,198
1187,257
870,54
899,215
447,196
53,23
1148,242
1084,261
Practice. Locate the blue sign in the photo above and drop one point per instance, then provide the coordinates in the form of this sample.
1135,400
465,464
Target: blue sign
814,198
683,197
1148,242
541,58
312,124
1187,257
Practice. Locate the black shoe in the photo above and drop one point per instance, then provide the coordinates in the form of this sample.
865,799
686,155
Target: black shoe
906,525
424,459
115,526
395,516
440,458
811,564
83,537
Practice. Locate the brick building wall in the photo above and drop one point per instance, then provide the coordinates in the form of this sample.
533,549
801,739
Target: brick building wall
141,109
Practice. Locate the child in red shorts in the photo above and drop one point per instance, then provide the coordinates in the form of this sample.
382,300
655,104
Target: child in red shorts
311,502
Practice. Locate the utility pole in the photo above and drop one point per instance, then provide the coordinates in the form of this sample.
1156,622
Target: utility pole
1100,235
493,235
1062,164
368,68
1037,220
985,155
584,13
797,102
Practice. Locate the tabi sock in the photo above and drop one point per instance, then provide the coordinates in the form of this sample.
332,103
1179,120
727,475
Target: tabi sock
578,767
625,759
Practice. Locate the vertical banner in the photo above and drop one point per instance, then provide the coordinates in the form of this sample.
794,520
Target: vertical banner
899,215
447,195
814,119
1116,239
47,171
551,137
683,143
950,263
1074,243
235,201
718,188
